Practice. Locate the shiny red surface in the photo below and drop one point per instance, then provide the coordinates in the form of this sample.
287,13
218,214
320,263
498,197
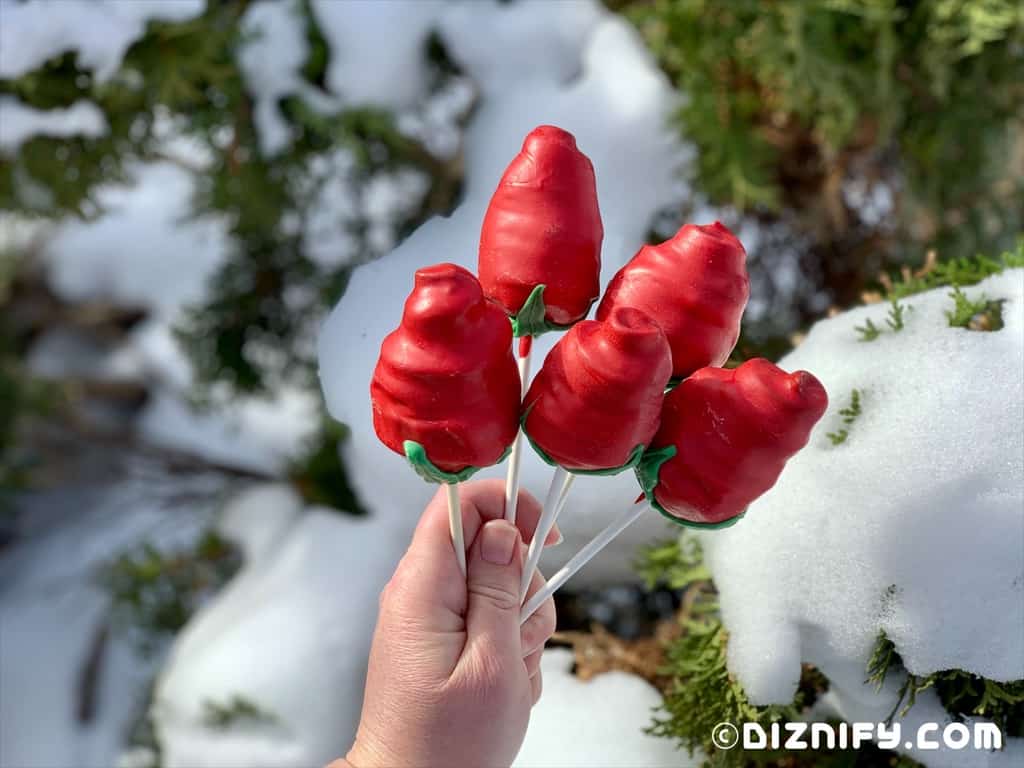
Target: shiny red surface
599,392
733,430
543,226
446,377
695,286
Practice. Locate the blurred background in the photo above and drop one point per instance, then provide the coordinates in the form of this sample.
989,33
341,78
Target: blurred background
188,185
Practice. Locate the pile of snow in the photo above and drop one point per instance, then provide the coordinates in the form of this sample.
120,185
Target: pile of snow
51,611
598,722
100,32
271,60
378,49
618,108
912,526
19,122
290,634
144,250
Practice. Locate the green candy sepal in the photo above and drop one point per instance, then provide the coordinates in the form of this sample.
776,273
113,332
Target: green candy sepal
530,321
417,457
647,475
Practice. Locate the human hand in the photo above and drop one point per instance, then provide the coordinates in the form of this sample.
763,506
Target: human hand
452,675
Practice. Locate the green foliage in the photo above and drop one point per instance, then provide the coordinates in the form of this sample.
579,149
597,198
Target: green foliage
850,414
320,475
702,694
869,331
154,593
22,398
895,317
676,563
785,99
180,67
979,314
267,300
962,694
237,709
964,271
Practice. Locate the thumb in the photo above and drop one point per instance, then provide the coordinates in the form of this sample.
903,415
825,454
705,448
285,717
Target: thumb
493,575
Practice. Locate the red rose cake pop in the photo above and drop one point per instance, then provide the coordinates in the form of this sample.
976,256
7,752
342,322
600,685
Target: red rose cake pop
540,245
725,437
596,402
695,286
445,392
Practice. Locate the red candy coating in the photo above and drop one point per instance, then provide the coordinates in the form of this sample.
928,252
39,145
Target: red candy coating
695,285
599,394
733,431
543,226
446,377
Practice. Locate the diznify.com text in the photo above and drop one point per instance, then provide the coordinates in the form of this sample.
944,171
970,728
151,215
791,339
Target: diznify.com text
798,736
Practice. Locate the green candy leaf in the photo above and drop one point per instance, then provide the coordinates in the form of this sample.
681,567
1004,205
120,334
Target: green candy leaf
649,466
529,321
647,474
417,457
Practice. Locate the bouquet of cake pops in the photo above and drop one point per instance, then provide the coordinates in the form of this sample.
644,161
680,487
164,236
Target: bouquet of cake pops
638,388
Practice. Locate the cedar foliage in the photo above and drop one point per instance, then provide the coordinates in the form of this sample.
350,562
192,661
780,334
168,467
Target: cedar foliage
790,102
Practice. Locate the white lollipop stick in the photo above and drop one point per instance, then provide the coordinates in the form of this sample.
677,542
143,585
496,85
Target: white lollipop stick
558,491
512,478
455,524
595,545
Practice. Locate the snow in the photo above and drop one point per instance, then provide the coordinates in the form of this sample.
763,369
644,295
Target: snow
258,434
63,353
99,31
291,634
271,61
20,122
51,610
558,34
618,108
913,526
377,49
145,250
598,722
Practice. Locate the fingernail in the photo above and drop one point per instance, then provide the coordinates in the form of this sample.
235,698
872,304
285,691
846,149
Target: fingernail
498,542
559,538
